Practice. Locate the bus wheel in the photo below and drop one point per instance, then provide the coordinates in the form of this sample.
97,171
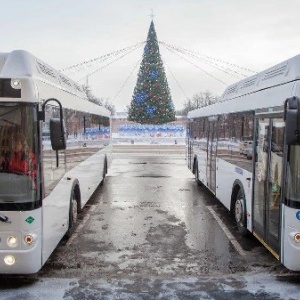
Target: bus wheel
104,171
73,213
240,213
197,174
105,168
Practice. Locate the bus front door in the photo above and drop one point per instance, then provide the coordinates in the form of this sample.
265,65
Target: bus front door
267,183
211,156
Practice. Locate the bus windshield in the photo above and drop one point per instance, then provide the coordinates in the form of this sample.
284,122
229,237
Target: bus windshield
18,163
293,175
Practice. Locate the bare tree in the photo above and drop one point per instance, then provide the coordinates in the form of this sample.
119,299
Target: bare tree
99,101
202,99
199,100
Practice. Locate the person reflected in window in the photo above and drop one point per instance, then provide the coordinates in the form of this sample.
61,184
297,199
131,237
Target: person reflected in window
20,158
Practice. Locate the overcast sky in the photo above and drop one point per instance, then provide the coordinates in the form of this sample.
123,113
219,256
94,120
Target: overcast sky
252,34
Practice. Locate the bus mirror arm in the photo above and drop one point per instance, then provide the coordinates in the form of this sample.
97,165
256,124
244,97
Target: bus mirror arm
292,120
57,130
42,112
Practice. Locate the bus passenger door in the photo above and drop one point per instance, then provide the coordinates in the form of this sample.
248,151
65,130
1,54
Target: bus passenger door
267,183
211,156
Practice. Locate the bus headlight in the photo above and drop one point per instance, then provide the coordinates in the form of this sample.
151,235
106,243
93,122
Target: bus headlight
297,237
12,241
9,260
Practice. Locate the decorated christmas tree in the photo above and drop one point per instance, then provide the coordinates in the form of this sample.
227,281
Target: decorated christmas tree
151,101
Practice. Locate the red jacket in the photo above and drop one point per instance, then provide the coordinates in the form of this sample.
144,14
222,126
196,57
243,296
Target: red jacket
23,163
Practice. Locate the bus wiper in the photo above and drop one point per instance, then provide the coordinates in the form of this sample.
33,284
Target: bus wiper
4,219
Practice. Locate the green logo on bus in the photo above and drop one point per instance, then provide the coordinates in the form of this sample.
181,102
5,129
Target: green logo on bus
29,220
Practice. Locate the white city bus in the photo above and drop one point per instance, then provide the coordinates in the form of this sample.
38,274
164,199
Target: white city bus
246,150
65,156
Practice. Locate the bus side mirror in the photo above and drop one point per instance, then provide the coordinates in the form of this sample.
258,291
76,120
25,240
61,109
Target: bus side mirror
57,128
57,135
292,120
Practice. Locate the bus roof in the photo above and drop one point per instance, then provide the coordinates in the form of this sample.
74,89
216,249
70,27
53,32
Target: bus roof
232,100
21,64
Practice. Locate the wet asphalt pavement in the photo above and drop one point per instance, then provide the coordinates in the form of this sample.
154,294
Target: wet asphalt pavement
151,233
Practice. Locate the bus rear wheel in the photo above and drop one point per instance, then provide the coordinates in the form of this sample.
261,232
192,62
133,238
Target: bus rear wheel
240,213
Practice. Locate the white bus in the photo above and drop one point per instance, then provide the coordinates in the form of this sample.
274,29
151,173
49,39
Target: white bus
55,149
246,150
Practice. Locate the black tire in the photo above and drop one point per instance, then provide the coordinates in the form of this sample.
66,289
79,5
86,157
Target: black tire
104,172
105,169
197,173
240,213
73,213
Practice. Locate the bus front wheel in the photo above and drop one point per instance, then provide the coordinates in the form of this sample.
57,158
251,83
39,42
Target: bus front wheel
104,171
196,171
240,213
73,212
